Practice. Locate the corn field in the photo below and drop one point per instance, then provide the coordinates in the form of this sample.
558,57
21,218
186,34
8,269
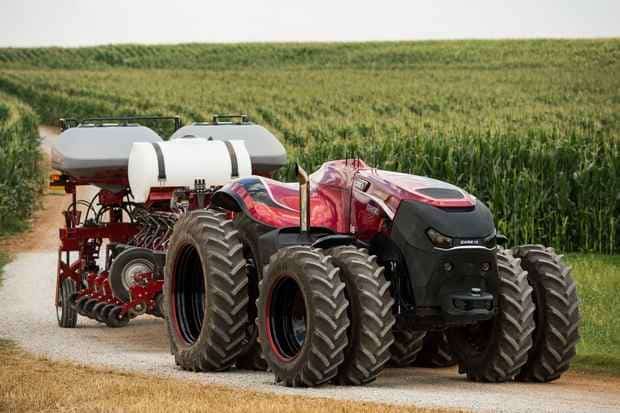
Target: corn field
20,163
530,127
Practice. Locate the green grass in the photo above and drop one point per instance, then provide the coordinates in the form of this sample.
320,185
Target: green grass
598,286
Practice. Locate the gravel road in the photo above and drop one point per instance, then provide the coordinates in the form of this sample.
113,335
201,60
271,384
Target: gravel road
27,316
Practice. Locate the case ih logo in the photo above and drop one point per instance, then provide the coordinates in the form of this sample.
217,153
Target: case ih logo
469,242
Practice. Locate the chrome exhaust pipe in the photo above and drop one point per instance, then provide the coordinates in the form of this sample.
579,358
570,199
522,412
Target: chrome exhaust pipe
304,199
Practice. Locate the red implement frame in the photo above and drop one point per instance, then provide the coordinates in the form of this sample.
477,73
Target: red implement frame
86,239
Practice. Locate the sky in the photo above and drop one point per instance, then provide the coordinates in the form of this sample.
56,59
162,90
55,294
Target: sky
70,23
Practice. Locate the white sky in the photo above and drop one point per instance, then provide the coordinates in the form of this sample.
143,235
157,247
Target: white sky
86,22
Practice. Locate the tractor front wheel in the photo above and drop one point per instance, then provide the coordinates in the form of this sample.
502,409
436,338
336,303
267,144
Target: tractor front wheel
557,313
302,317
495,350
370,313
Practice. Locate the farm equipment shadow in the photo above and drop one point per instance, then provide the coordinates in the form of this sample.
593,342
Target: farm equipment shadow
145,334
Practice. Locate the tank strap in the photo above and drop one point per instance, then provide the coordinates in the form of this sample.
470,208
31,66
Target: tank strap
161,166
233,159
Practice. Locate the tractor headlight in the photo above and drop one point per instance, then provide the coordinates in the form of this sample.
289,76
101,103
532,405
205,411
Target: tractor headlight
438,239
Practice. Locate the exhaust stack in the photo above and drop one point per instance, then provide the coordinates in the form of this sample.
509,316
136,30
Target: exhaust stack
304,199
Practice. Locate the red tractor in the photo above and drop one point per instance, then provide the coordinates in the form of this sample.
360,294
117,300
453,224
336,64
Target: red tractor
332,278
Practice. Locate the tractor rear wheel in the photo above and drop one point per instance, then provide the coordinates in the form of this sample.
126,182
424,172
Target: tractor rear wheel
302,317
435,351
65,311
495,350
557,313
205,292
407,345
370,313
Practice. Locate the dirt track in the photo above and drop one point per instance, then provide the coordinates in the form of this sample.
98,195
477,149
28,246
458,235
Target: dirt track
28,317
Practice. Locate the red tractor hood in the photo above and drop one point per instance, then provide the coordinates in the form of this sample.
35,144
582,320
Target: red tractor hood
335,187
393,187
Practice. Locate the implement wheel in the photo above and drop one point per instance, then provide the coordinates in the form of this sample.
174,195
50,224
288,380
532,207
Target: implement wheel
97,311
105,312
205,292
88,306
557,313
302,317
114,318
495,350
126,266
65,310
370,312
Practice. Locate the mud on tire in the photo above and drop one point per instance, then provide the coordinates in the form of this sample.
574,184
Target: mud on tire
496,350
205,291
370,312
556,316
302,317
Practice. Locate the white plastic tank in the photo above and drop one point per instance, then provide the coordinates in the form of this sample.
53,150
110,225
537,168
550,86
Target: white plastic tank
178,163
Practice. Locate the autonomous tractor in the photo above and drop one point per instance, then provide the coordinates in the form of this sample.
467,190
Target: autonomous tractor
329,279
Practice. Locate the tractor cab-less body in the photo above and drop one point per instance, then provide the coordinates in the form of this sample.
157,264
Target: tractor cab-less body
437,240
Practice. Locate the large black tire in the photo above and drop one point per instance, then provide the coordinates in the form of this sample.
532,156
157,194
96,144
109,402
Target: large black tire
205,292
435,351
407,345
302,317
496,350
370,312
65,311
127,264
557,313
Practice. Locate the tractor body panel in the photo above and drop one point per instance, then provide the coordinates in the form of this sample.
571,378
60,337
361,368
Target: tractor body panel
456,283
276,204
466,268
